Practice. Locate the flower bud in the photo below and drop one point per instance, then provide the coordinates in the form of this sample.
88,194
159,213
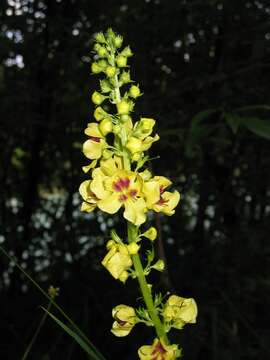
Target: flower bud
121,61
118,40
110,244
146,175
95,68
122,107
100,38
151,233
124,276
159,265
125,77
105,126
107,154
102,52
97,46
103,64
110,71
126,52
116,129
100,114
133,248
136,156
97,98
134,91
134,145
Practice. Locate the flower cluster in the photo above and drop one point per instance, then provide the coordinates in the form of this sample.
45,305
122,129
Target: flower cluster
118,179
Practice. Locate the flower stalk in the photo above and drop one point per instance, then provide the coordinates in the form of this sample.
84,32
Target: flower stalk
119,179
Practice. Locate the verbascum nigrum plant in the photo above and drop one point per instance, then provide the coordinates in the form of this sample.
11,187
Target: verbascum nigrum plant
119,182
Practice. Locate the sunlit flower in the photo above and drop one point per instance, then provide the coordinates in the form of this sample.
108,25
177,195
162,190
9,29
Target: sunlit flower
117,261
159,351
93,147
157,198
125,319
180,311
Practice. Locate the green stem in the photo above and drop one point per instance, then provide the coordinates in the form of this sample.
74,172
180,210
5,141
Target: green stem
147,296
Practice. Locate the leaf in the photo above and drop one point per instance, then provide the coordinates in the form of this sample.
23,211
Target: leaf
234,121
260,127
76,337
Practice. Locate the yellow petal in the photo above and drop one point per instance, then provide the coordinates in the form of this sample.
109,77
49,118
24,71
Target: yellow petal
119,330
163,181
97,186
88,207
147,143
135,211
90,166
92,149
110,204
151,191
108,167
84,189
93,130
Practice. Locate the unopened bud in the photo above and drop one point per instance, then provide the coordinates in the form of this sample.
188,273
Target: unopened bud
116,129
125,77
105,126
102,52
97,98
110,71
126,52
121,61
134,91
151,233
95,68
122,107
136,156
134,145
100,114
100,38
133,248
107,154
159,265
118,40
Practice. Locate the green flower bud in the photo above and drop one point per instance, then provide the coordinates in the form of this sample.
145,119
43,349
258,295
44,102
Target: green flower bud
134,145
105,126
100,38
126,52
105,86
107,154
102,52
134,91
133,248
97,47
151,233
125,77
95,68
121,61
159,265
116,129
136,156
103,64
100,114
110,71
118,41
123,107
97,98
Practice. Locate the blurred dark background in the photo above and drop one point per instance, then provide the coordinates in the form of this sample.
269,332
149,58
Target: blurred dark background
204,69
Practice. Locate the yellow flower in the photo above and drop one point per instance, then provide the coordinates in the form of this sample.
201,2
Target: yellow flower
157,198
151,233
180,311
125,319
117,261
90,200
116,188
159,351
93,147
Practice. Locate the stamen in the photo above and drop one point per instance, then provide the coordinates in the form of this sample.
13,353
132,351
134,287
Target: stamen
95,138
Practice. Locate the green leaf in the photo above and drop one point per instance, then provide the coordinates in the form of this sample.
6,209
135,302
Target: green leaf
234,121
76,337
260,127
